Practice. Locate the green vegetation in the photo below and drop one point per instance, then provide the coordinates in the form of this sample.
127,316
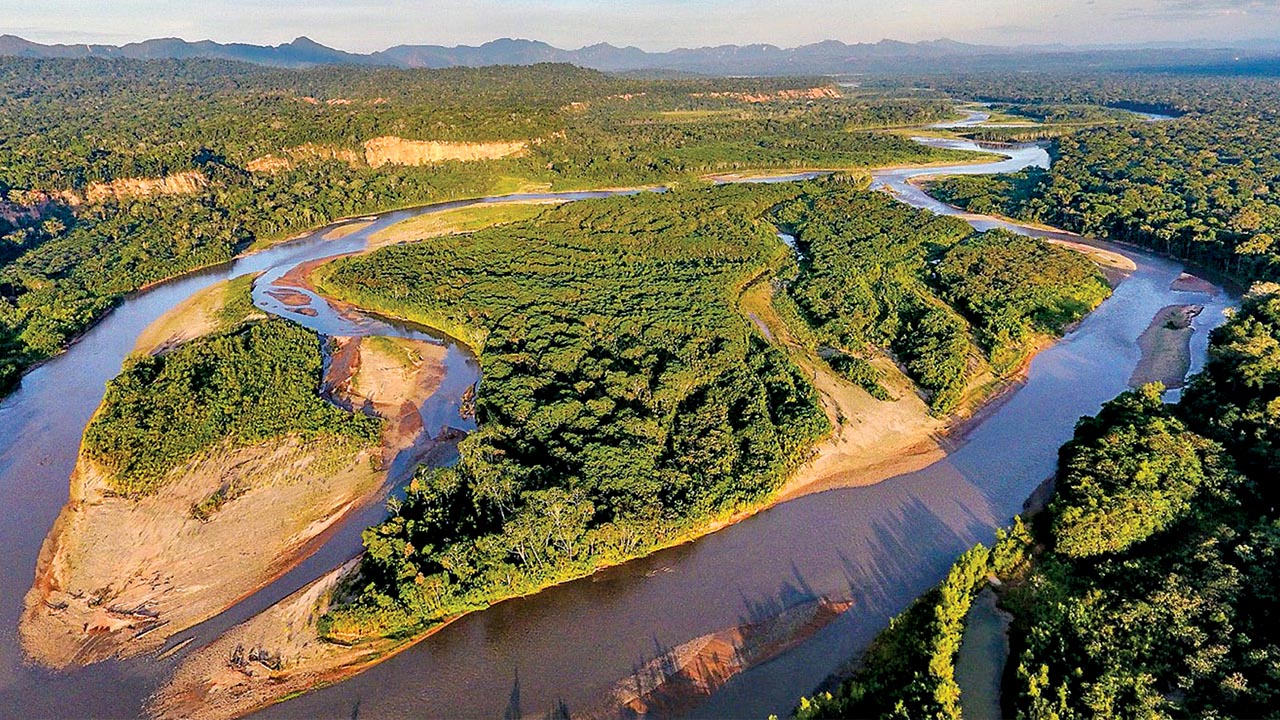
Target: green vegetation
1012,287
1006,195
254,383
1200,187
1236,400
880,275
1128,474
860,372
625,400
1152,589
909,670
237,302
62,264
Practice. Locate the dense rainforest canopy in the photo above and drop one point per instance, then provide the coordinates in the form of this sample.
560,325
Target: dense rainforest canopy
254,382
253,154
878,274
1202,186
625,397
626,401
1148,587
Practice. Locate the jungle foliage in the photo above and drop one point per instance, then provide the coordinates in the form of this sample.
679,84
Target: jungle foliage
68,124
256,382
1151,591
1201,186
625,400
876,274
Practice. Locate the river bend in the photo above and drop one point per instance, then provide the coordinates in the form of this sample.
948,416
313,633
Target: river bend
880,545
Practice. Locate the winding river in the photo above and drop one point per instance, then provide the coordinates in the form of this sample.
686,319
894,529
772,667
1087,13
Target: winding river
879,546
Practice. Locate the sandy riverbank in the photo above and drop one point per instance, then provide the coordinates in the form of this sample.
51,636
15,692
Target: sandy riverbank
346,229
275,654
677,680
873,441
203,313
1166,347
118,576
459,220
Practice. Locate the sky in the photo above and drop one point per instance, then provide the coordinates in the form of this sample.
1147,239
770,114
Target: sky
367,25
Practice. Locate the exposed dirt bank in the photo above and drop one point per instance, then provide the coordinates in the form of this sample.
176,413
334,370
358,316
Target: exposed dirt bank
302,153
184,183
117,576
827,92
1166,347
390,150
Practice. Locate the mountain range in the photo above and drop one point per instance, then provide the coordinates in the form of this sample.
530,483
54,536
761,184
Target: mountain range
827,57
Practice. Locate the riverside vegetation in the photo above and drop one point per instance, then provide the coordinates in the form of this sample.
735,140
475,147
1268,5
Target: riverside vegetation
1200,187
253,383
1147,588
626,401
878,274
175,165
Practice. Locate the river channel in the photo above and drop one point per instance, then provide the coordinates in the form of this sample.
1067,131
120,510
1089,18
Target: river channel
879,546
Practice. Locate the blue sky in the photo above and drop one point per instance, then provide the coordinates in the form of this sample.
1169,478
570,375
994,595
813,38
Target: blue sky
364,25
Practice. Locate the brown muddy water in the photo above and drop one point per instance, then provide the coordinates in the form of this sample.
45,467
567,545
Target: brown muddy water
566,647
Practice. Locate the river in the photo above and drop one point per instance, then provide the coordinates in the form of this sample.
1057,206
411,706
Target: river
879,545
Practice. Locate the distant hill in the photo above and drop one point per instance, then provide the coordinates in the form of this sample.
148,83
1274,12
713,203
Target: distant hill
827,57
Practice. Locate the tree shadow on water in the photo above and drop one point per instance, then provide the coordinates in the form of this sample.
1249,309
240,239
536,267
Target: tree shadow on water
513,711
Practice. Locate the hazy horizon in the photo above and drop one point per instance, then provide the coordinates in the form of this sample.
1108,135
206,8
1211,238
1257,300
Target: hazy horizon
655,25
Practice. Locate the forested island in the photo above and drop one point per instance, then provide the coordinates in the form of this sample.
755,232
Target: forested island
655,365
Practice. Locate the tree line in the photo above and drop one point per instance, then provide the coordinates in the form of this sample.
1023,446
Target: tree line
879,276
1149,582
65,124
